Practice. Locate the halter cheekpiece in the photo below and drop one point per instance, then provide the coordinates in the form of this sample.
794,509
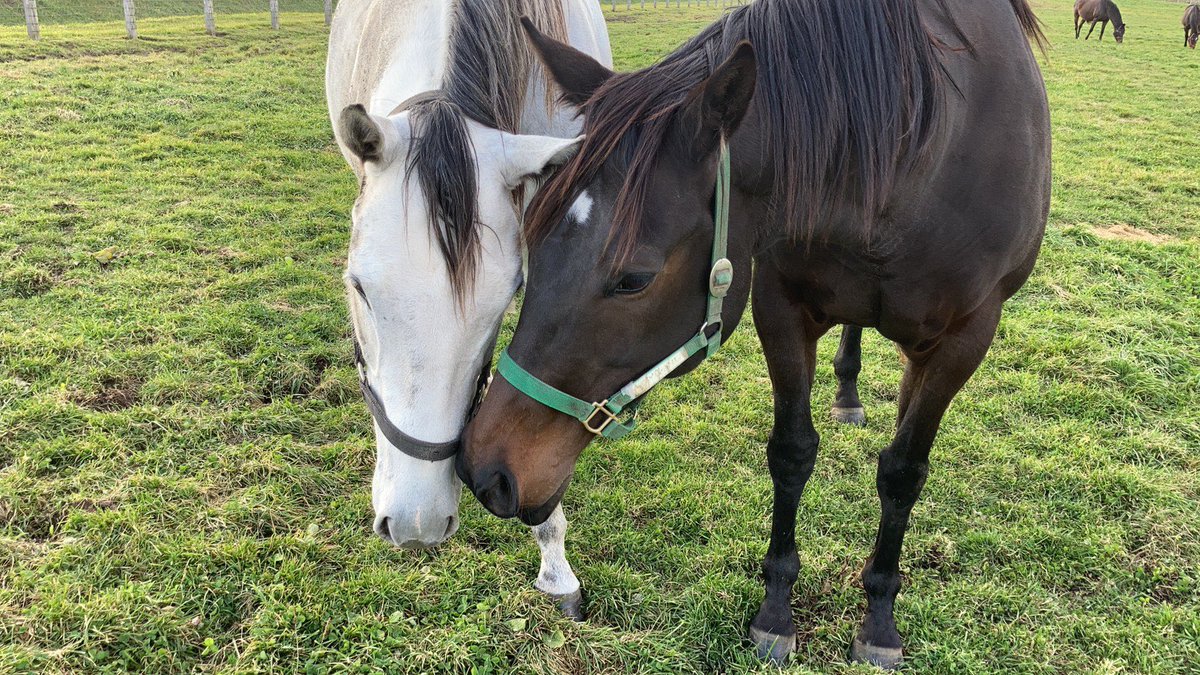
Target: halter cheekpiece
413,447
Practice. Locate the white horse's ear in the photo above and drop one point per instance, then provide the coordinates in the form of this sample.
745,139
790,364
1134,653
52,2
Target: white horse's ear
366,135
527,157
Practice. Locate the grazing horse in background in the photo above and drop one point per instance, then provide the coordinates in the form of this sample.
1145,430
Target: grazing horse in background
1191,25
849,160
1101,11
446,118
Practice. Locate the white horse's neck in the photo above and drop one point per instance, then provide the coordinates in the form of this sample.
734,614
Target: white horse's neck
402,49
418,54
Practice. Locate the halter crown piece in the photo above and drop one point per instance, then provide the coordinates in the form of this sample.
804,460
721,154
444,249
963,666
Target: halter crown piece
603,417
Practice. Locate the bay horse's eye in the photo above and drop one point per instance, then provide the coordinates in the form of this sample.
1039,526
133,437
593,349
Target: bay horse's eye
633,283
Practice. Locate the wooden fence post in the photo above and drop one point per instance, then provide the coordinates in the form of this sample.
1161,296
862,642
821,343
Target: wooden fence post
130,19
328,12
31,20
210,24
274,14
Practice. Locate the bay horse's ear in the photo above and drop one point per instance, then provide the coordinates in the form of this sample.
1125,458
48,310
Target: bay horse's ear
716,106
361,133
576,73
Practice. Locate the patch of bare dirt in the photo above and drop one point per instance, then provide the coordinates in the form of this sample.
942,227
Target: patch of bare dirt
1125,232
114,394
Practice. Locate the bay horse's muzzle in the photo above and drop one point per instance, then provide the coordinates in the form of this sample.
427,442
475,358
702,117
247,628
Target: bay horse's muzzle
495,487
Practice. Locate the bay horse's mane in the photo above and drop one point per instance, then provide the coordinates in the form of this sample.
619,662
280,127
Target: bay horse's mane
488,69
848,93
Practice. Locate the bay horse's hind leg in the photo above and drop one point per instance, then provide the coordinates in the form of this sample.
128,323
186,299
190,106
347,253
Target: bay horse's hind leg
930,382
1078,25
556,578
847,408
789,340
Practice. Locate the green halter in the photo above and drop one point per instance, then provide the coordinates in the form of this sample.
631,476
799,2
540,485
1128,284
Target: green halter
602,418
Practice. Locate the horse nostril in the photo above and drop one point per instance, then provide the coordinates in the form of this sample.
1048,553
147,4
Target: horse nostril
451,527
499,494
383,529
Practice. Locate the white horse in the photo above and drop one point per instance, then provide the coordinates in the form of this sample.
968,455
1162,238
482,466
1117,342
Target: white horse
445,117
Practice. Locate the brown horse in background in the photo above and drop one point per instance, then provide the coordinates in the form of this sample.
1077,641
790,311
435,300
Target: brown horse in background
1101,11
1191,25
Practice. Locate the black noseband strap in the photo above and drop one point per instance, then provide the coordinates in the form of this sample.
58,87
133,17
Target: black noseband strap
413,447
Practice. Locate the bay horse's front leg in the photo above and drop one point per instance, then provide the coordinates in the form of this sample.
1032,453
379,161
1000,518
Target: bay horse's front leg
789,342
931,381
556,578
1089,35
1103,25
847,408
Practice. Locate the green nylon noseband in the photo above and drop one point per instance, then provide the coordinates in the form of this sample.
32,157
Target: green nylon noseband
602,418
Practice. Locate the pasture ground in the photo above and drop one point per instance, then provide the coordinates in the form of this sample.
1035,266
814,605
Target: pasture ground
185,460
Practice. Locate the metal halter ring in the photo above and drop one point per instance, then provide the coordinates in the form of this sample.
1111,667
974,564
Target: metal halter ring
609,415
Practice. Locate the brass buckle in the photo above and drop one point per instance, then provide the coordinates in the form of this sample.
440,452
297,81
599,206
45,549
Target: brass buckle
609,418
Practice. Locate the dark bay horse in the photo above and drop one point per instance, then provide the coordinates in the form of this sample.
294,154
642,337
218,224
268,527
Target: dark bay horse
890,168
1101,11
1191,25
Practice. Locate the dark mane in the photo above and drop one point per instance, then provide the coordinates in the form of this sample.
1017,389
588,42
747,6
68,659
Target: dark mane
487,77
848,94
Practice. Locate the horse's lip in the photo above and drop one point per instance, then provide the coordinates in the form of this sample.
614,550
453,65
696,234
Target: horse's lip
535,517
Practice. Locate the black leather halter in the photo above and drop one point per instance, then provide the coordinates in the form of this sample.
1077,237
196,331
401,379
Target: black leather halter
430,452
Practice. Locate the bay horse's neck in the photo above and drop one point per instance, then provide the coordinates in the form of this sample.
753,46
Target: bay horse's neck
826,150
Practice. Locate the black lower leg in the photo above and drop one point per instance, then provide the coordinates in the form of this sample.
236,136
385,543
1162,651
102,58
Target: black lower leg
929,386
791,460
790,345
899,482
846,365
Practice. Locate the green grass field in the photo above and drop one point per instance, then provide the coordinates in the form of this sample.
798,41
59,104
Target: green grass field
185,461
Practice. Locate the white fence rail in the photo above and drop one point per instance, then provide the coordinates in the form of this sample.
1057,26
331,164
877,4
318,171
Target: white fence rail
36,13
39,14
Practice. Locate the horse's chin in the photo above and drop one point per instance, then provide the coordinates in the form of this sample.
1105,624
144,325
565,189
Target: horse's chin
536,516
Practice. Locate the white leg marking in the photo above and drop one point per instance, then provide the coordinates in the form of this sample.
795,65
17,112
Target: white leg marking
556,576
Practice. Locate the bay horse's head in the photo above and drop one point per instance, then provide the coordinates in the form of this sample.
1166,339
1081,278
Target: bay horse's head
621,246
1119,32
1192,38
434,261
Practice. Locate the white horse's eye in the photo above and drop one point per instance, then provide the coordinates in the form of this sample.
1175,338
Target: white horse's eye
357,286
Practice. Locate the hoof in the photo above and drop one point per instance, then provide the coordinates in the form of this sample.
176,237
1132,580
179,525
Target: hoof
571,605
853,416
774,649
888,658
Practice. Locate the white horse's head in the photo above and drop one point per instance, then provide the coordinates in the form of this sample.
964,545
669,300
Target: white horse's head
435,259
